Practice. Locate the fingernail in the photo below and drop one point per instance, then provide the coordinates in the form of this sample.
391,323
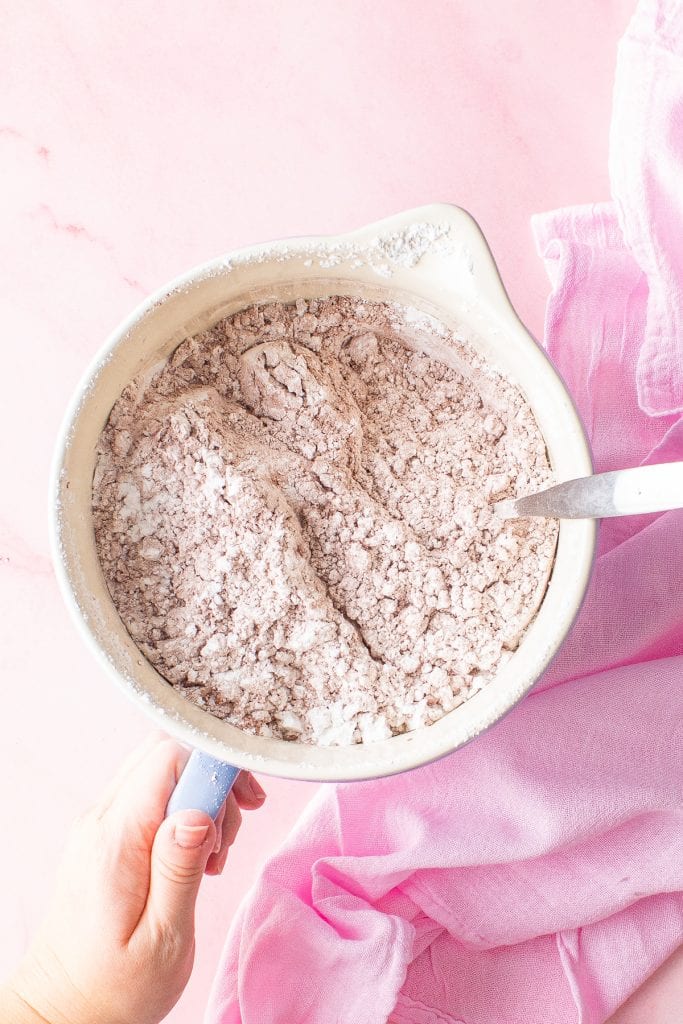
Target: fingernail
256,791
217,844
190,836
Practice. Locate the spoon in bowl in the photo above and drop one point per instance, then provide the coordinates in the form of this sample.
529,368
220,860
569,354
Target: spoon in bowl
625,492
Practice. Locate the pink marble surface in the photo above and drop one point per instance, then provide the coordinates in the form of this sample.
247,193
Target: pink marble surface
138,139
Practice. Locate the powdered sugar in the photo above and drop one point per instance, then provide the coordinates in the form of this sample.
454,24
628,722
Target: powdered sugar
292,520
403,248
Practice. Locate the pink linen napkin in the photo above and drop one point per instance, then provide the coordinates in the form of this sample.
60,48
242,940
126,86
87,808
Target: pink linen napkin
537,874
646,156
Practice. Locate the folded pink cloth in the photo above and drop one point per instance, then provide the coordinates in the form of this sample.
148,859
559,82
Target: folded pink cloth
537,874
646,157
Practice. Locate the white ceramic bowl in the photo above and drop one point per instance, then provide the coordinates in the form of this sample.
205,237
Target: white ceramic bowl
434,258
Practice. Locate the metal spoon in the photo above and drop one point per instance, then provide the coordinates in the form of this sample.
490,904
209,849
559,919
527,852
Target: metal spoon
626,492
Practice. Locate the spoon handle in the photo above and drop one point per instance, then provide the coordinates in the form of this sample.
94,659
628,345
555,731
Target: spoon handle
625,492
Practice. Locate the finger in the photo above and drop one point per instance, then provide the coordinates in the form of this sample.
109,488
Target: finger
248,793
131,762
231,826
142,796
220,818
181,850
125,832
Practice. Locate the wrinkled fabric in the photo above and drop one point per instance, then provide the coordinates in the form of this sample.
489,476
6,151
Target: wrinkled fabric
646,155
536,874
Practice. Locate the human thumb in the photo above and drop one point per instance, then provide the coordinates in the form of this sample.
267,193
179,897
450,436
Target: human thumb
182,846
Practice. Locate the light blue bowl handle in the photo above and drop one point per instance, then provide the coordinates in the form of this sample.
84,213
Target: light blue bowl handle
203,785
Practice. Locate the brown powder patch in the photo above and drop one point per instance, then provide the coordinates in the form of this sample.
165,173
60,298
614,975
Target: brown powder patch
293,522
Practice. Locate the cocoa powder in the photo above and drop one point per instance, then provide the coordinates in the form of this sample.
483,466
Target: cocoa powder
293,519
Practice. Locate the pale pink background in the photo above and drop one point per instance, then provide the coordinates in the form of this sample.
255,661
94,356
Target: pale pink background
137,139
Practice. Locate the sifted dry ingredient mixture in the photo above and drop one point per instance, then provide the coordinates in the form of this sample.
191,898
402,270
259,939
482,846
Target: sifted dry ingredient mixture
293,519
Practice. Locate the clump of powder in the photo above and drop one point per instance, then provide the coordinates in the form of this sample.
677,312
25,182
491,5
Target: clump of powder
293,519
